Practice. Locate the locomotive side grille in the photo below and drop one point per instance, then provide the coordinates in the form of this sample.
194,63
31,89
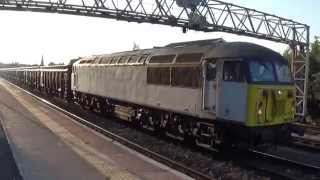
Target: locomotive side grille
189,58
177,76
186,76
158,75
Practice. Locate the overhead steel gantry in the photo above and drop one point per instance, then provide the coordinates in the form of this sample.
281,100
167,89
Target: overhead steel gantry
199,15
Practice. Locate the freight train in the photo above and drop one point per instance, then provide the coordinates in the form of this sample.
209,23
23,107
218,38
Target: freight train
210,92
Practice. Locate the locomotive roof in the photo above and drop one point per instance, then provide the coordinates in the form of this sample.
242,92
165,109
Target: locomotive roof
196,45
201,46
212,48
242,49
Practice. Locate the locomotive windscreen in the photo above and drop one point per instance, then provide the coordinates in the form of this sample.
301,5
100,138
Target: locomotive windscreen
269,71
283,72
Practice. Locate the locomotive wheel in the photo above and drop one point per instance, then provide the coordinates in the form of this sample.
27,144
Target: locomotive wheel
87,103
174,128
101,107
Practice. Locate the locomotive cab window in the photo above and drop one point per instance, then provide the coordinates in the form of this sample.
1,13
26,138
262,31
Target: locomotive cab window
266,71
283,72
261,71
233,71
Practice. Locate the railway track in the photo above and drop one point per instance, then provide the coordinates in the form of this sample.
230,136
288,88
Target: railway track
281,161
176,165
311,140
309,129
309,143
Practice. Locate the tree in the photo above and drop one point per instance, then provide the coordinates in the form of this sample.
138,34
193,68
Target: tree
54,64
287,54
314,56
51,64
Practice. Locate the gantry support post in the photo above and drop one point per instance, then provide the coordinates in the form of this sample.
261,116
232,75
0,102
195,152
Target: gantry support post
300,47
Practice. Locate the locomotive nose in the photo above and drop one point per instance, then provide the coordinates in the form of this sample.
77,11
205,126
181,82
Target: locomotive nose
270,105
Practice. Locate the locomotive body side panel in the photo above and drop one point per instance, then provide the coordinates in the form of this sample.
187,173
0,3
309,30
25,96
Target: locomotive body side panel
232,103
129,84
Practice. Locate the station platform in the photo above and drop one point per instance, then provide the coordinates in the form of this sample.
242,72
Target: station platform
47,144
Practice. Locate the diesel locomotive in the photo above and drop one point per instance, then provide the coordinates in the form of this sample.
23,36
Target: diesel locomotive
210,92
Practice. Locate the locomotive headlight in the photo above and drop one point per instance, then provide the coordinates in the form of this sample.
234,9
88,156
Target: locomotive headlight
259,108
279,92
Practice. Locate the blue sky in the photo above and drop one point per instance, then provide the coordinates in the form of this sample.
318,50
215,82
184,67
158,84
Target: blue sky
26,36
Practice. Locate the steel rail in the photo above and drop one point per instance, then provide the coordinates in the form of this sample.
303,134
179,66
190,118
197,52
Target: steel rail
283,160
307,127
311,144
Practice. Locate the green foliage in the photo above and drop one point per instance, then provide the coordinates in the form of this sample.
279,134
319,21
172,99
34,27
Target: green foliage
11,65
315,49
314,56
287,54
54,64
51,64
